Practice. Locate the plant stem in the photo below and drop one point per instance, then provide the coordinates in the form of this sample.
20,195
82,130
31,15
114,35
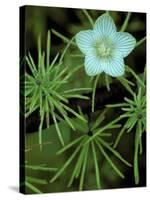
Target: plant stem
119,137
64,38
48,49
109,160
96,166
136,168
93,94
107,12
140,41
125,24
83,168
107,82
33,188
136,76
69,145
125,83
66,48
57,128
61,170
78,166
88,17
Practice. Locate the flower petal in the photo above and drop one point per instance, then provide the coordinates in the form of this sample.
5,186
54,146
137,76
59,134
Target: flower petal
125,43
85,41
92,65
105,26
114,66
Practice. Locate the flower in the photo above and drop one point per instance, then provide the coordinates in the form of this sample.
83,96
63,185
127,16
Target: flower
104,47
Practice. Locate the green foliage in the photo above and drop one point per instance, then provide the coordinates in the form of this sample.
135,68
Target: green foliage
81,146
135,113
94,144
44,89
31,182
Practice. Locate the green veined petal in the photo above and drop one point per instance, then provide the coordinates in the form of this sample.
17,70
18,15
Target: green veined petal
85,41
125,43
105,26
114,66
92,65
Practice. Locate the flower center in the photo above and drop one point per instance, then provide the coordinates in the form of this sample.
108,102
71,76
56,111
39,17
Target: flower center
104,48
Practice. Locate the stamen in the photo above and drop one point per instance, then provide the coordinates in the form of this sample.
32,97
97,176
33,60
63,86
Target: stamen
104,48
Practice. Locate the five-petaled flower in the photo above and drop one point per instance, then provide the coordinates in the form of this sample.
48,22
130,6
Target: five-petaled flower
104,47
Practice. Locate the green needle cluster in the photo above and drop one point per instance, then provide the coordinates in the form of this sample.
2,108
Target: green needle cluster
43,89
95,145
134,110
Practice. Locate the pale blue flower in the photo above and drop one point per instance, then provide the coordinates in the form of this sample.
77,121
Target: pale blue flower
104,47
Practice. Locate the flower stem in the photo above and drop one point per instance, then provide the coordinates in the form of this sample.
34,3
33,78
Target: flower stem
93,94
125,24
107,82
140,41
136,167
88,17
107,12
